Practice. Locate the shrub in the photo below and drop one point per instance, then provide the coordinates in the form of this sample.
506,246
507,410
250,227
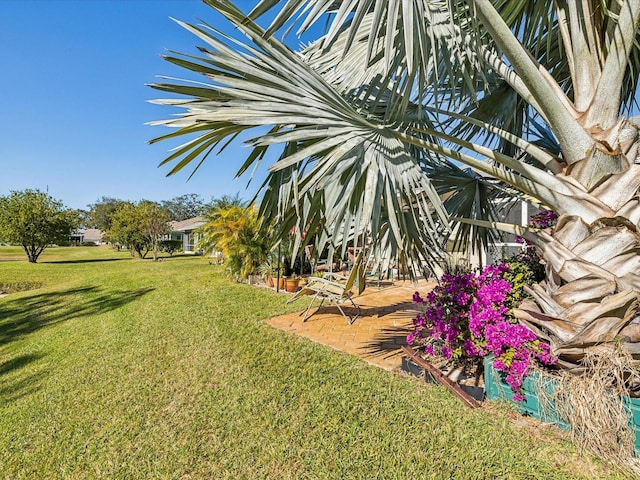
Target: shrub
170,246
468,316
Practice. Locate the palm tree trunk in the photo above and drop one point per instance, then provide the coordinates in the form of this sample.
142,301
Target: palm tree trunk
589,299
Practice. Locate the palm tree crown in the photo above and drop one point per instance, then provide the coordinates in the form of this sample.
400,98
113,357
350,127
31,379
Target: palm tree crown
379,117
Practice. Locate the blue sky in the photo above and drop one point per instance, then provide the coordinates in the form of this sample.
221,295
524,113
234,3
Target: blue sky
74,100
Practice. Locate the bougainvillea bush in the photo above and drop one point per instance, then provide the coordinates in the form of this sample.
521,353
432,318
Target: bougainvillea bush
468,316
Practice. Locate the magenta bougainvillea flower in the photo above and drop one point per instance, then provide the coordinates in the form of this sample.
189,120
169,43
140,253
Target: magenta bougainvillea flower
466,316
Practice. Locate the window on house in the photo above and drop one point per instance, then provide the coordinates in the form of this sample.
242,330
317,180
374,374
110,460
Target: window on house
190,242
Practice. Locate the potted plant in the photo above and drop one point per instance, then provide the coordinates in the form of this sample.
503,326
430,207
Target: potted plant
292,283
268,272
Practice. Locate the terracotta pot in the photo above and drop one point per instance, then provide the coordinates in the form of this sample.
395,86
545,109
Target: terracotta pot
292,284
281,283
270,281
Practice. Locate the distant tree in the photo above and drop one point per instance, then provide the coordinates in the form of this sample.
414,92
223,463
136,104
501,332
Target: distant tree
35,220
185,206
154,224
140,227
101,212
125,229
85,218
225,202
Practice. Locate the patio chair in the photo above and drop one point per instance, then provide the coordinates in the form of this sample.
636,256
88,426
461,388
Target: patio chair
335,289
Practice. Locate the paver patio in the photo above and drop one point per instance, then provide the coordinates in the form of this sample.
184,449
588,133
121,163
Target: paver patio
376,336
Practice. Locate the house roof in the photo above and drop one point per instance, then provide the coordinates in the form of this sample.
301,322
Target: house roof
93,234
188,224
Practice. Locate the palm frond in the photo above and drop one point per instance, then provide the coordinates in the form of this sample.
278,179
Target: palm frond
346,163
470,196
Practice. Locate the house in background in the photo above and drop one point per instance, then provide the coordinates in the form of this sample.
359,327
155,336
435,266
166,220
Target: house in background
86,235
519,213
184,231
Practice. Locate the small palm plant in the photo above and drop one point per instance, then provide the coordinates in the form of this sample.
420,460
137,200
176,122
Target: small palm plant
234,230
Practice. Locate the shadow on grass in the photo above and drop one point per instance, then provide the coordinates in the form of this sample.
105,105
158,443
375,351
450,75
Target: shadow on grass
87,260
12,389
147,258
25,315
16,363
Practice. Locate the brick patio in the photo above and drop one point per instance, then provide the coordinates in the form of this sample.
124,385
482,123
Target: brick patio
376,336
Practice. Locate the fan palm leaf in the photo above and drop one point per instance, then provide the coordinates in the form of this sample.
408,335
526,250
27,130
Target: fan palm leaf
348,164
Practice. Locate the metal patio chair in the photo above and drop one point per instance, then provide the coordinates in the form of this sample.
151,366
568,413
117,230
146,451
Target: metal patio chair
335,289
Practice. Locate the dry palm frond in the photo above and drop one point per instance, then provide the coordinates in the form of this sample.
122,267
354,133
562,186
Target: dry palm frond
591,405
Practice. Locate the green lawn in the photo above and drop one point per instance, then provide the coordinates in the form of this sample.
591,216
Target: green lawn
129,369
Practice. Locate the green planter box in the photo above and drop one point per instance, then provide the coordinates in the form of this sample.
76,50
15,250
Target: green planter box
633,404
497,389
